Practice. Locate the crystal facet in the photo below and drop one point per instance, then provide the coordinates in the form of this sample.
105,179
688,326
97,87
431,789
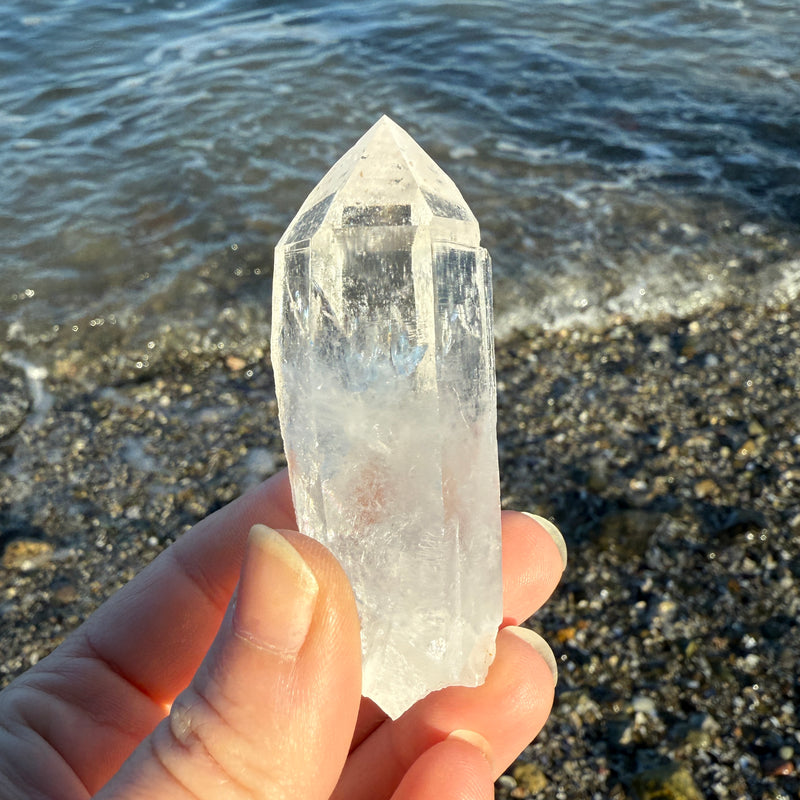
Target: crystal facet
384,368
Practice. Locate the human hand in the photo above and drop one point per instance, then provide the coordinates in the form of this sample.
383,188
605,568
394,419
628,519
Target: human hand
273,706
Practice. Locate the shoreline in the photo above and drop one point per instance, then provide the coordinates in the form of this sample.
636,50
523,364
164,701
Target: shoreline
664,449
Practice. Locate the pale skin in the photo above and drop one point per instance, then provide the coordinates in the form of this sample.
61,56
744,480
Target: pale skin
229,669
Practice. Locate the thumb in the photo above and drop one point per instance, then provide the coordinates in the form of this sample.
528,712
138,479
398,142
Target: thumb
271,711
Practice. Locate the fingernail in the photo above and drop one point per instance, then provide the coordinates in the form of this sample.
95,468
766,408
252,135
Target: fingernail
539,645
555,535
276,595
476,740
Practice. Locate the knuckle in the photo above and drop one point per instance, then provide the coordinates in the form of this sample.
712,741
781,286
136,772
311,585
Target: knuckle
204,753
197,749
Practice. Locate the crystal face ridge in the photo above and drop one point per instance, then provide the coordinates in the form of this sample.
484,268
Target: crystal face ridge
384,368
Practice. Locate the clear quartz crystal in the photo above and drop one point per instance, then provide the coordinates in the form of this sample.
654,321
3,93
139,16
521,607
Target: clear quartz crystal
384,368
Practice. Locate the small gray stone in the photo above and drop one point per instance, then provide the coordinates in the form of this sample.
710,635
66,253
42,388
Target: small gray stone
14,400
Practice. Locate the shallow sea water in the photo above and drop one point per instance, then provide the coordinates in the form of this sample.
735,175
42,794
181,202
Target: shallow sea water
623,156
634,156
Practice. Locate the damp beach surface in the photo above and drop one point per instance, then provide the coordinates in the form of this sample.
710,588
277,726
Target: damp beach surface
666,450
634,168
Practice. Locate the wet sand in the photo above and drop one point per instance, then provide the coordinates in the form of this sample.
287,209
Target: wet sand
667,451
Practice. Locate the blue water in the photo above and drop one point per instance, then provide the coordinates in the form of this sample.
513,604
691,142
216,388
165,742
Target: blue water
633,156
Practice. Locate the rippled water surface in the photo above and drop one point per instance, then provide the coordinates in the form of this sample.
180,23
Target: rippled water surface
621,155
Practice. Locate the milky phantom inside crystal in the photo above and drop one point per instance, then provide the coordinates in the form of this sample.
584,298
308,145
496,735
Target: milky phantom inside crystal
384,366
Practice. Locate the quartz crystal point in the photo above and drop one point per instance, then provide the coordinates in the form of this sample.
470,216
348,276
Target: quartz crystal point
384,368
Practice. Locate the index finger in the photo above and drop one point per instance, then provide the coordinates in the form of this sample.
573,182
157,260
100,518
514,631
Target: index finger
157,629
113,680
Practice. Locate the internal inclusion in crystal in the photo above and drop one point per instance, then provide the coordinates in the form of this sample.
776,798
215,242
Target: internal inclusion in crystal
384,365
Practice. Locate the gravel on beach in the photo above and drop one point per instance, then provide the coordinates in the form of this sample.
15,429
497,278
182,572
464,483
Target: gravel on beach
667,451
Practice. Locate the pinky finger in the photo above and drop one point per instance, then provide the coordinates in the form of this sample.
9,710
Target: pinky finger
458,768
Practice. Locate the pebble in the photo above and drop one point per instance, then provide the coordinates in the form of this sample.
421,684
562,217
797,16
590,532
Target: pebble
784,768
65,593
565,634
235,363
14,400
26,554
666,783
698,739
644,705
746,452
506,782
706,488
529,778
